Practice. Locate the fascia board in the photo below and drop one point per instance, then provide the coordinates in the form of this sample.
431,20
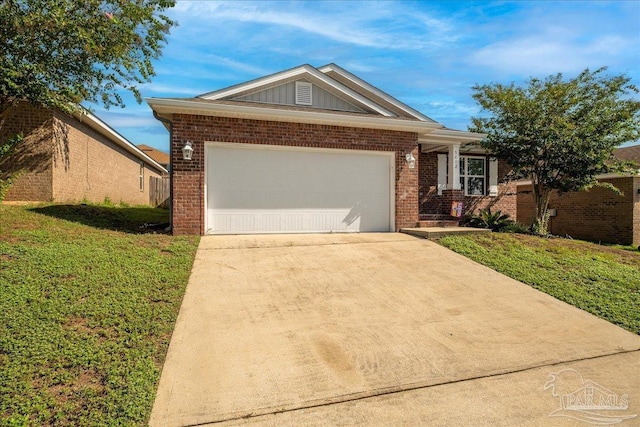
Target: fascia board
298,71
366,86
255,84
105,130
443,136
167,107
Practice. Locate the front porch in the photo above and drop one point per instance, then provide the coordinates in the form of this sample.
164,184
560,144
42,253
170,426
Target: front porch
456,171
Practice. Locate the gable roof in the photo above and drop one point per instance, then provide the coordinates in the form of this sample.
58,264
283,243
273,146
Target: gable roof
629,153
308,73
340,74
91,120
361,104
157,155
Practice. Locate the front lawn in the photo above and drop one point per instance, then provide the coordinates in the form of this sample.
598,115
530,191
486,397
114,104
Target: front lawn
602,280
88,301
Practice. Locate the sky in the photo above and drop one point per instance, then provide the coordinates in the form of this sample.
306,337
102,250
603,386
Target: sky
427,54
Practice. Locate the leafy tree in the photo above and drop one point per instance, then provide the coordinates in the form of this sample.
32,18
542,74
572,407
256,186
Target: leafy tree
559,133
58,53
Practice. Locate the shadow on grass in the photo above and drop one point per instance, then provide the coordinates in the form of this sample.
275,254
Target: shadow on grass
136,220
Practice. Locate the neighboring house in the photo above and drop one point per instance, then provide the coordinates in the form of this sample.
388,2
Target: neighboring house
318,150
598,214
67,158
160,157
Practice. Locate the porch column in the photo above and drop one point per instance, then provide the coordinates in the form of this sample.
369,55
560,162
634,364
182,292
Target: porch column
453,180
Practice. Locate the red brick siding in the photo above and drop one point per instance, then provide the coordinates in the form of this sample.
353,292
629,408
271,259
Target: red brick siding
188,176
429,201
87,165
32,156
597,215
432,204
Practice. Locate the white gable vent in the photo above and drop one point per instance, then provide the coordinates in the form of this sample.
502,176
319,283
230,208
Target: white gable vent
303,93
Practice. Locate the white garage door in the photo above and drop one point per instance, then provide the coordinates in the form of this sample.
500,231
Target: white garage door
267,189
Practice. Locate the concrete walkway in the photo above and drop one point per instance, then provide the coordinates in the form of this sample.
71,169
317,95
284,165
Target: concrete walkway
380,329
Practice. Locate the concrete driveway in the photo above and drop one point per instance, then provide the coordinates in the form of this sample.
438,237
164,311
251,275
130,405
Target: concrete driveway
381,329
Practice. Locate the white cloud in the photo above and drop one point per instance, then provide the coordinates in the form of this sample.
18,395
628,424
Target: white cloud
535,55
169,90
388,25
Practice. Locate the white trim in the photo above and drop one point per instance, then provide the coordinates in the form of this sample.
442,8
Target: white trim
208,145
450,136
493,177
464,175
307,70
453,175
167,106
366,86
442,173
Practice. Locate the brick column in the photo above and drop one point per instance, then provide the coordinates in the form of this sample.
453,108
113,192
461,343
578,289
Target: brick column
448,197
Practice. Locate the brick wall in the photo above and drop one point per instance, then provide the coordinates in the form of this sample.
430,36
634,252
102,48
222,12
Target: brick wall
188,176
87,165
432,204
636,212
32,156
597,214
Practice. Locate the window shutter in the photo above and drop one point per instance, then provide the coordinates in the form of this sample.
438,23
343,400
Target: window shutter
493,177
303,93
442,173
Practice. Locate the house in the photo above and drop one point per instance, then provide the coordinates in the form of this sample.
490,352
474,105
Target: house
598,214
317,150
160,157
68,158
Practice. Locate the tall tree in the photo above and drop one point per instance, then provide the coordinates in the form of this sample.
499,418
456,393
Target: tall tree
58,53
559,133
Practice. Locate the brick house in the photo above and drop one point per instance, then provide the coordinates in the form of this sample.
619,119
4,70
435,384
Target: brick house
598,214
318,150
159,156
66,158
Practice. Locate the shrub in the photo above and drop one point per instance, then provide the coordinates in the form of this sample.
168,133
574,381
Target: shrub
495,221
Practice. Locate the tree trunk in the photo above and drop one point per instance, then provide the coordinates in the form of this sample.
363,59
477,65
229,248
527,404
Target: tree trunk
541,196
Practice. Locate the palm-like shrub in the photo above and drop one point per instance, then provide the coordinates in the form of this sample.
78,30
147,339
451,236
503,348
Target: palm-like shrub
495,221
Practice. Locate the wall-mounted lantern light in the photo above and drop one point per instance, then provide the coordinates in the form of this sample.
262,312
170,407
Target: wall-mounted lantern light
187,151
411,161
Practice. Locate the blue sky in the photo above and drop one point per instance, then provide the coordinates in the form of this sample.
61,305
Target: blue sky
428,54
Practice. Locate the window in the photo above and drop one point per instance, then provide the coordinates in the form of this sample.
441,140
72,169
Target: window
473,175
141,176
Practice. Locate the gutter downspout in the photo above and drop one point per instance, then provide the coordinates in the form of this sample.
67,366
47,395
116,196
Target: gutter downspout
169,123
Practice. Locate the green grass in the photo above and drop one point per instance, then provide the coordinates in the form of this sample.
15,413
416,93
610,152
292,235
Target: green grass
88,301
604,281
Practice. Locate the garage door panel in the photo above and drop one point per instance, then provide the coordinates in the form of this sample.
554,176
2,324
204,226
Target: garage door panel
262,190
